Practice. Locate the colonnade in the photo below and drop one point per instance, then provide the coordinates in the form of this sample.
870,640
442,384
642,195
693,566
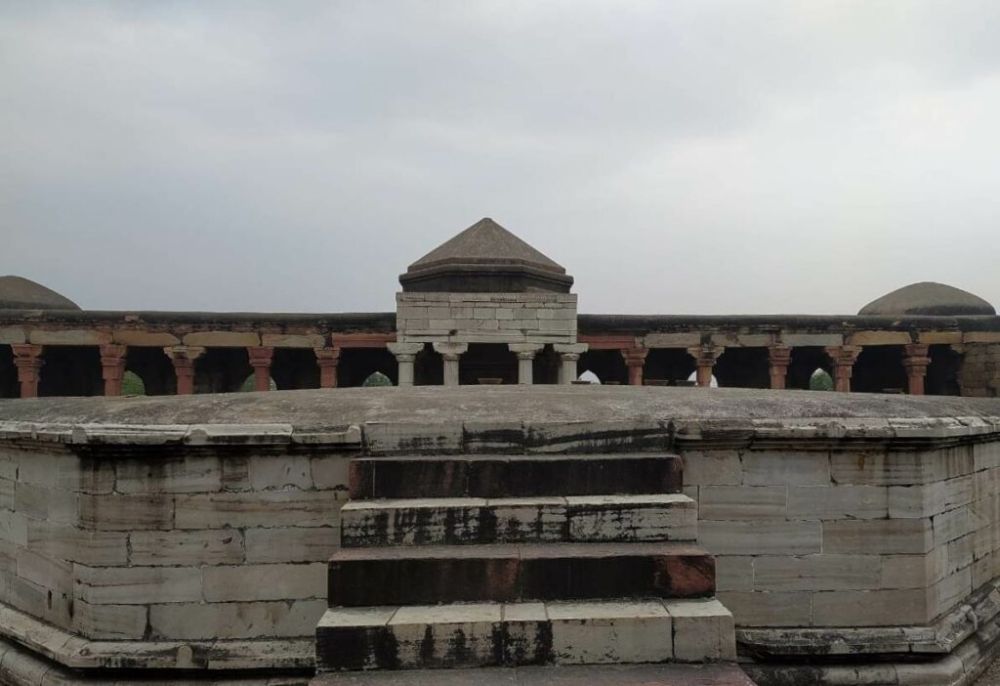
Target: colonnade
29,362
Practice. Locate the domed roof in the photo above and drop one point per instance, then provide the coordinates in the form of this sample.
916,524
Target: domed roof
485,257
929,298
19,293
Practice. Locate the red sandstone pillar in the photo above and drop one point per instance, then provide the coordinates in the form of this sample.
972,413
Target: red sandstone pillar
260,359
915,362
183,357
635,359
28,360
779,357
113,367
327,359
704,359
843,358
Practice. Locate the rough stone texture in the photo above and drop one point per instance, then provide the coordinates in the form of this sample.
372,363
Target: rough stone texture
486,317
17,292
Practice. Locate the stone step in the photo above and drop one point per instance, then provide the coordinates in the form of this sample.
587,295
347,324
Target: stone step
492,634
588,518
720,674
513,476
418,575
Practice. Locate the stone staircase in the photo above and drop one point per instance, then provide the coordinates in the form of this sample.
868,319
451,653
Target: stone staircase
469,562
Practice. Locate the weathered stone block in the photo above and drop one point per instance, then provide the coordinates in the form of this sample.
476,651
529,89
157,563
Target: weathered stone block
115,512
265,582
929,499
763,537
68,337
780,468
137,585
816,572
447,636
330,472
291,544
204,621
222,339
110,622
189,474
45,504
716,467
870,608
734,573
269,472
768,609
67,542
742,502
256,509
838,502
878,536
610,632
703,631
182,548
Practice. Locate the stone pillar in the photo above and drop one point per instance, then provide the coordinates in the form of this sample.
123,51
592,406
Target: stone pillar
569,353
525,359
28,360
635,359
260,359
327,359
451,352
183,357
405,354
704,359
843,358
779,357
113,367
915,362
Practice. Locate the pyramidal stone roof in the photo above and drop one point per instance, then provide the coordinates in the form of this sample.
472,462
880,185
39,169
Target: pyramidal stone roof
19,293
485,257
929,298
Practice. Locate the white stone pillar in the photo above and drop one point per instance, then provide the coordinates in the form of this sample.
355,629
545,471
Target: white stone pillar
525,357
569,353
405,354
451,352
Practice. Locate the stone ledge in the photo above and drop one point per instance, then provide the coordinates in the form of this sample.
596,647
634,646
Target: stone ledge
179,434
942,637
961,667
72,651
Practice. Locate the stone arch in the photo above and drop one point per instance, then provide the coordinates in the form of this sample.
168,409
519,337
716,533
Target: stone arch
879,369
943,371
743,368
221,370
487,361
668,365
357,364
803,362
9,385
608,365
154,368
71,370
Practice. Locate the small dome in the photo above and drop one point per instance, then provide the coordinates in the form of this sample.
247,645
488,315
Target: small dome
488,258
929,298
18,293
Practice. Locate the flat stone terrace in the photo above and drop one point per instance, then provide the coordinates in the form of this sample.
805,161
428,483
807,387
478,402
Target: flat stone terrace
513,406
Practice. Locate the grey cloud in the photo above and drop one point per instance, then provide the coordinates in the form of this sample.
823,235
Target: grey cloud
675,157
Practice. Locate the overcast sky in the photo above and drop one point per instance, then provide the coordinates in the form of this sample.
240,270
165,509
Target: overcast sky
675,157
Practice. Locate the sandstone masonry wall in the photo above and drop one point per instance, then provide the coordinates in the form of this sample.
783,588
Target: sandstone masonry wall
486,317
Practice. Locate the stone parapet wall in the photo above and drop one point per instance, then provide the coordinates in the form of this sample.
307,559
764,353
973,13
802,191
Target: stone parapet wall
486,317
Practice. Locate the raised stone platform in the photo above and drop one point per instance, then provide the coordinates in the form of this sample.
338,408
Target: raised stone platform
191,535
